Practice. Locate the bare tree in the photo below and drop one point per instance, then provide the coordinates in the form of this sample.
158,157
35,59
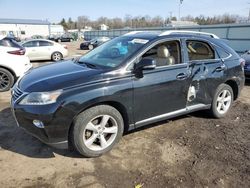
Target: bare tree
82,22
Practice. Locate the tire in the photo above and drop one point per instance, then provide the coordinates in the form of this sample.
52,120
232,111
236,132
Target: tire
6,80
56,56
91,47
97,130
222,101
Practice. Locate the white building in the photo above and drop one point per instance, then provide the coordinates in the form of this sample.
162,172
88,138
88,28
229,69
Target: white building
56,30
24,28
104,27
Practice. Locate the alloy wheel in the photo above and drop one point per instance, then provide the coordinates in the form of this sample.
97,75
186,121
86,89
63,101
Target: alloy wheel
4,81
223,101
100,132
56,56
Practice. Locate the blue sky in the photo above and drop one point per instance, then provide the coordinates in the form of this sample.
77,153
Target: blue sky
55,10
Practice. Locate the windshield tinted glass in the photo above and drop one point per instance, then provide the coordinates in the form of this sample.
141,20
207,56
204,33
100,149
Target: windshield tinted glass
113,53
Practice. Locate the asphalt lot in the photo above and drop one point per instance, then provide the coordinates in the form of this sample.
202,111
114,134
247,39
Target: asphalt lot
189,151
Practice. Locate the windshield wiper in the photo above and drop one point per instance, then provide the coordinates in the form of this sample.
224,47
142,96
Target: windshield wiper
89,65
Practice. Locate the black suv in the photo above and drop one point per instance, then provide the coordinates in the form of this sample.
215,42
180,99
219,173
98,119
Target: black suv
128,82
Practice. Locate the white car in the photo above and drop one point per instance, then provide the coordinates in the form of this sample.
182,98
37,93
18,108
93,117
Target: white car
41,49
13,62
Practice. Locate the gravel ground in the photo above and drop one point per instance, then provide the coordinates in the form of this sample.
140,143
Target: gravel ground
189,151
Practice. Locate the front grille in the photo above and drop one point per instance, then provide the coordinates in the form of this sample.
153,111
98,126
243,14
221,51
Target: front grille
16,93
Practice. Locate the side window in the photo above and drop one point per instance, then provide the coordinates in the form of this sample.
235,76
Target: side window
31,44
222,53
198,50
45,43
167,53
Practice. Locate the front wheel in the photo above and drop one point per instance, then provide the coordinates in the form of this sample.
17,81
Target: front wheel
97,130
6,80
222,101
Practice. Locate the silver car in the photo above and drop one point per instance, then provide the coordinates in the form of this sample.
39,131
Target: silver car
41,49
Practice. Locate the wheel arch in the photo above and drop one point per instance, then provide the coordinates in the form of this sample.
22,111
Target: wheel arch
10,70
117,105
233,84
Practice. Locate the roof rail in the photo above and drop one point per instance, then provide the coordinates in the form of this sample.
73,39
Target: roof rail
134,32
189,32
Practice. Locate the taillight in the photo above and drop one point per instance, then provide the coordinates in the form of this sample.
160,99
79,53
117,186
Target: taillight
66,47
242,62
17,52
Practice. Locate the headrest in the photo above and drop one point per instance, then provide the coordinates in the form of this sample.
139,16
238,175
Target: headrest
162,52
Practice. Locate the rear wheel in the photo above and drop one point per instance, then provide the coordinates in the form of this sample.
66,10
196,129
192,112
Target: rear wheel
56,56
222,101
91,47
97,130
6,80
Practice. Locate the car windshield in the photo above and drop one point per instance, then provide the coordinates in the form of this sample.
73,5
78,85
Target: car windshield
114,52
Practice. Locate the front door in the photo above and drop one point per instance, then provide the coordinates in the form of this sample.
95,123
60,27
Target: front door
163,90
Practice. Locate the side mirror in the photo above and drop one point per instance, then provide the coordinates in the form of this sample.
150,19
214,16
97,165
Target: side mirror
144,64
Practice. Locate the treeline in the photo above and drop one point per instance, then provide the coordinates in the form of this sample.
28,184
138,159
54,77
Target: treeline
146,21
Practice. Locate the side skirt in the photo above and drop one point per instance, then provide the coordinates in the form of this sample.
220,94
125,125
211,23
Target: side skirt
173,114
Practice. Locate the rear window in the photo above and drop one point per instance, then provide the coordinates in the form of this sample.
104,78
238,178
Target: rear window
9,43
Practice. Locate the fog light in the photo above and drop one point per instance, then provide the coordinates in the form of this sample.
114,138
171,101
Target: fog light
38,123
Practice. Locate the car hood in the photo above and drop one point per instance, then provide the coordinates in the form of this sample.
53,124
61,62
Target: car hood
59,75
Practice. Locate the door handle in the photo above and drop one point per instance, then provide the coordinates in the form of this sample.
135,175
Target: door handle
181,76
220,68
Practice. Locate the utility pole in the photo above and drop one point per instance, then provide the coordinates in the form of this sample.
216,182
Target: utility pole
248,13
180,2
170,15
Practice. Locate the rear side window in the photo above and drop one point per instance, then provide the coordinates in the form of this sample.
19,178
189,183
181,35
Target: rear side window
198,50
45,43
9,43
222,53
31,44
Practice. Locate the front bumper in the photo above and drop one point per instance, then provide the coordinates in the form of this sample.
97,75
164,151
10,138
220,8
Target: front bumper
56,120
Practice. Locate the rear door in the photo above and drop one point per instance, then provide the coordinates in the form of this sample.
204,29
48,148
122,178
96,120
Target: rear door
45,49
207,71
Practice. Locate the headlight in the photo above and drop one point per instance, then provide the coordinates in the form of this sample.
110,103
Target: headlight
41,98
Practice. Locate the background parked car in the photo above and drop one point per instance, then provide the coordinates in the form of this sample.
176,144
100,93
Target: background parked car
246,56
13,62
37,37
41,49
64,38
89,45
